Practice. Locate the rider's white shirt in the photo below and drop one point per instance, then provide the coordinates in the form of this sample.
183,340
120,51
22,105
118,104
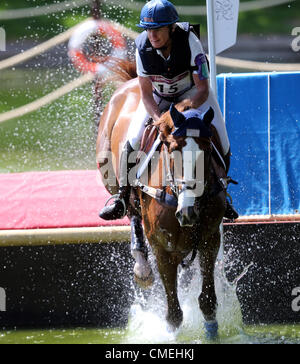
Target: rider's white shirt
179,83
172,87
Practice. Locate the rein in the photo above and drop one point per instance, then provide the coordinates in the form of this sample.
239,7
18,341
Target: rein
171,200
160,195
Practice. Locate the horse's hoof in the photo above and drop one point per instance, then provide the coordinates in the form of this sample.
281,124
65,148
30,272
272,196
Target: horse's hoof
175,323
211,329
143,274
145,283
171,329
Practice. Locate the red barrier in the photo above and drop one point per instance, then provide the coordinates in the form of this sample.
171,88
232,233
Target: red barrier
68,199
41,200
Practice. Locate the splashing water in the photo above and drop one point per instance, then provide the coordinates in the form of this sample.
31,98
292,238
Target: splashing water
148,325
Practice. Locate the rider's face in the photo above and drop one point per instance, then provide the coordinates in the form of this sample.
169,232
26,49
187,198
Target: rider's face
159,37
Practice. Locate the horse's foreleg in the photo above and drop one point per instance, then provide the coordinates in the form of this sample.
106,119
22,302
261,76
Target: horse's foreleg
142,271
208,299
167,266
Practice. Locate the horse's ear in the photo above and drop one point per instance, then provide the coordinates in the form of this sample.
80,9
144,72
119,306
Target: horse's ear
177,117
209,116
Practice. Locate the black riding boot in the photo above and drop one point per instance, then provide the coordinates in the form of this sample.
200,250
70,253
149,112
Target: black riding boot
119,208
230,211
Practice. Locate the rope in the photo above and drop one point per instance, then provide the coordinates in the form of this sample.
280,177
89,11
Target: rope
24,110
42,10
257,66
19,112
262,4
59,39
35,51
201,10
131,5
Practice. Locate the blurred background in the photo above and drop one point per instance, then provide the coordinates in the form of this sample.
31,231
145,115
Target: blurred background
61,135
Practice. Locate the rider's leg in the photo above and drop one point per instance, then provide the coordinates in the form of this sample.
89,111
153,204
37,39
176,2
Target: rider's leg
219,124
135,132
119,208
138,123
137,126
230,211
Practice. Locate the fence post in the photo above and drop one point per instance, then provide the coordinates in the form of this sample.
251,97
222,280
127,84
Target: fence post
2,40
2,300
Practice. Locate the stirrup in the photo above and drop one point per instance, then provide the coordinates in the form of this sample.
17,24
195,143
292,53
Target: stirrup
117,197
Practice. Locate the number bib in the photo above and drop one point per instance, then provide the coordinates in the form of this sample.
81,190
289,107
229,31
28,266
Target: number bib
172,87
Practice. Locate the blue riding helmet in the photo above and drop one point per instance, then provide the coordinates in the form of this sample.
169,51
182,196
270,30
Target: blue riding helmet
157,14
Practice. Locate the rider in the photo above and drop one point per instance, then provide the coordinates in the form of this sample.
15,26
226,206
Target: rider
171,67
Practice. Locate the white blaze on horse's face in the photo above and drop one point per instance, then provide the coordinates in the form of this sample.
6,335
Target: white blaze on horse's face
191,183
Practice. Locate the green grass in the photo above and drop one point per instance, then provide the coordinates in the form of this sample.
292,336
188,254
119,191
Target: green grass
279,19
259,334
67,336
275,333
58,136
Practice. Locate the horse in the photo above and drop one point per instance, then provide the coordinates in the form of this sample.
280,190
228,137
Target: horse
186,216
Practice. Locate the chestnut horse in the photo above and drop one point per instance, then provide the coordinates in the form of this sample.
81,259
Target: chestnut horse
172,232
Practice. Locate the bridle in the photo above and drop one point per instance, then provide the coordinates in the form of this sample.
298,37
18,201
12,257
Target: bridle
174,183
212,186
164,197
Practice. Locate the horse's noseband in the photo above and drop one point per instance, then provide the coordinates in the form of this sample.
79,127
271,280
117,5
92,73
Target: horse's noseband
188,185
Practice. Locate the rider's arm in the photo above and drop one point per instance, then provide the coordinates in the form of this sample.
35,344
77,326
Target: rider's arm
147,97
202,91
146,90
201,75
